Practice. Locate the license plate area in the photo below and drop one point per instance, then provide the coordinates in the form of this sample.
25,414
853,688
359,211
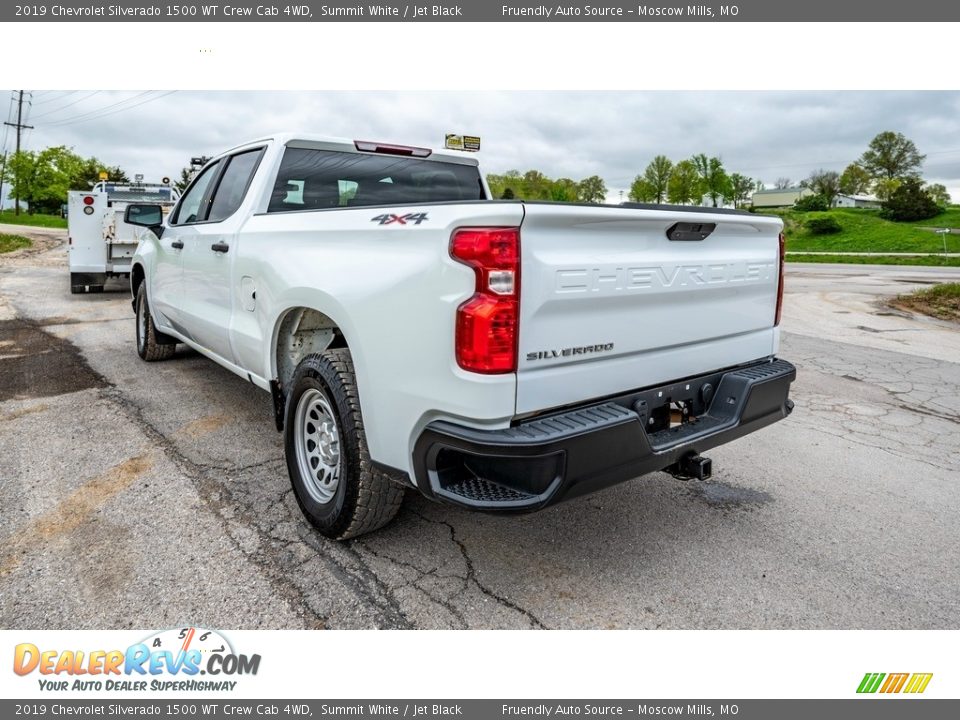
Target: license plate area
675,405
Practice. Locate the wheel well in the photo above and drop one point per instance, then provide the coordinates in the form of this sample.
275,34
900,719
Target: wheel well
302,332
136,277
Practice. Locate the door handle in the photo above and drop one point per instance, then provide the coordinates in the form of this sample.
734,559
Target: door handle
220,247
177,244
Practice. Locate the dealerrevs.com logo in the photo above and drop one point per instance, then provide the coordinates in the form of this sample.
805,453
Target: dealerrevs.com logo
168,660
884,683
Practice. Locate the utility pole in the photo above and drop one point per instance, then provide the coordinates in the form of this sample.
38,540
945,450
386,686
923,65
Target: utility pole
20,128
3,167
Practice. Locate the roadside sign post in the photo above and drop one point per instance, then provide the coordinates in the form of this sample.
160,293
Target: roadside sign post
943,235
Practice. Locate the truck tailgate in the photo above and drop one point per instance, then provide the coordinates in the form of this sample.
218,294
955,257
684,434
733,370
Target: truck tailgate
608,303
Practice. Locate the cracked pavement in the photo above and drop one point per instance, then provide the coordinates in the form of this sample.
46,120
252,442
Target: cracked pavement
155,495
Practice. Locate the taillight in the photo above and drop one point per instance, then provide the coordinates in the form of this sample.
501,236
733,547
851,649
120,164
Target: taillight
488,324
88,199
776,319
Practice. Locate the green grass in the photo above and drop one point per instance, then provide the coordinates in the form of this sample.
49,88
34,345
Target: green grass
935,260
940,301
9,243
50,221
865,231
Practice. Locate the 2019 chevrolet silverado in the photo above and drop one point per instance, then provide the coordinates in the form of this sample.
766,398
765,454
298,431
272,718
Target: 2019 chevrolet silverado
496,355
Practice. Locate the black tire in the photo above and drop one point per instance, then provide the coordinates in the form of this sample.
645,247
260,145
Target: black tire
152,345
363,498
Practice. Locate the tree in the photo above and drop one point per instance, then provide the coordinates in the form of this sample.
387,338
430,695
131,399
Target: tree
563,190
740,189
536,185
592,189
186,175
890,155
42,179
811,203
642,191
116,174
855,180
657,176
498,184
910,201
89,174
19,173
685,185
782,183
884,188
825,183
938,193
715,182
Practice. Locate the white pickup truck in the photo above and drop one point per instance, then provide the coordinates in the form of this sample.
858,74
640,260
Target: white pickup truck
496,355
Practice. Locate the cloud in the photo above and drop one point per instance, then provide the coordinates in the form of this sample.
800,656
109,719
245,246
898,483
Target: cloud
765,135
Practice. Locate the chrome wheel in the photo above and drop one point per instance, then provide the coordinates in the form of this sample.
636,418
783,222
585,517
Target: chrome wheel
317,439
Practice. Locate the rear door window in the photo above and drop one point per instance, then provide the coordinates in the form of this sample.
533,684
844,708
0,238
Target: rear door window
323,179
233,184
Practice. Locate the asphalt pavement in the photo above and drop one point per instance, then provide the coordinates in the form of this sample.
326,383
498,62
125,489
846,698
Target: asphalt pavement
155,495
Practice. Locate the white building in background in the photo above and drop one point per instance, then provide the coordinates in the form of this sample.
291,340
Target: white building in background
779,198
856,201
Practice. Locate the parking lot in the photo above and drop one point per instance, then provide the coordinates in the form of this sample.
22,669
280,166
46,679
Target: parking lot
153,495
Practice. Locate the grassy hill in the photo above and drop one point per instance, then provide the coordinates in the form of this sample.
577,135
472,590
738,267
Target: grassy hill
38,220
865,231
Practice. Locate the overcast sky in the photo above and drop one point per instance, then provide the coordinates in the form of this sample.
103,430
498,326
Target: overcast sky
765,135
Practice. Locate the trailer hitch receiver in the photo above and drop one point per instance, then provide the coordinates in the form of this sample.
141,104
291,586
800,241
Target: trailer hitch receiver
691,467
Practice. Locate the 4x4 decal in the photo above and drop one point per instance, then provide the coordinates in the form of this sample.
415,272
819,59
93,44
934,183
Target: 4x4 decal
415,218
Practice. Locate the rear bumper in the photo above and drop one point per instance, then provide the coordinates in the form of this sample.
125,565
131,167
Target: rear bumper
548,459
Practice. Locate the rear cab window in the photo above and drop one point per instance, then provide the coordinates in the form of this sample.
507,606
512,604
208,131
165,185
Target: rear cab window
311,179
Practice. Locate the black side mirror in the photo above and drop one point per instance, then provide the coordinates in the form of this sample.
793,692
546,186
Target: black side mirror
149,216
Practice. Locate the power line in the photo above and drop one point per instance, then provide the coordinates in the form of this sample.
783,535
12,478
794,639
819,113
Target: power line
19,125
95,116
6,128
69,104
66,93
84,114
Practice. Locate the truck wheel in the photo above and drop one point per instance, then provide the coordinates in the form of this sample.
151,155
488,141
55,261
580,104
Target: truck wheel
336,484
151,344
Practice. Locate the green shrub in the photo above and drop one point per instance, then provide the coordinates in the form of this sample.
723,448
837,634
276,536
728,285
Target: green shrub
823,226
811,203
910,202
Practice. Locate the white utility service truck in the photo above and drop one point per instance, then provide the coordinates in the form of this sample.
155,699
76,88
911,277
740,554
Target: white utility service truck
101,244
496,355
